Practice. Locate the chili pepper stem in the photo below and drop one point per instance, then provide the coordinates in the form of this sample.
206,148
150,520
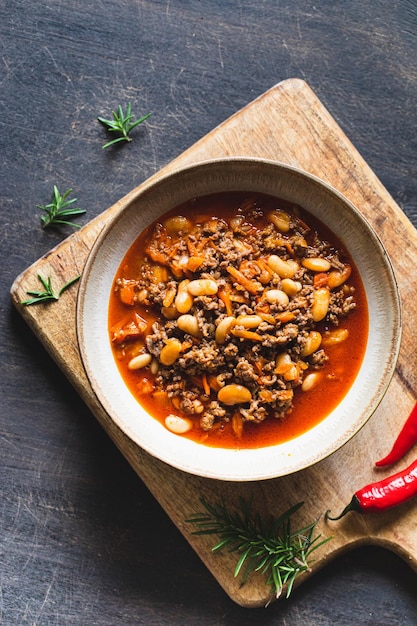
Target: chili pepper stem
353,505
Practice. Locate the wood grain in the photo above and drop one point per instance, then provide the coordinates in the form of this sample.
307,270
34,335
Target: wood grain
289,124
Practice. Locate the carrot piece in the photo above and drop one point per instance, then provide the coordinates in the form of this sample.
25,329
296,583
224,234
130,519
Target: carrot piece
289,248
194,262
173,250
156,255
283,368
285,316
202,244
320,280
259,366
270,319
146,387
127,294
237,425
246,334
214,383
206,385
224,295
192,249
266,273
253,286
128,328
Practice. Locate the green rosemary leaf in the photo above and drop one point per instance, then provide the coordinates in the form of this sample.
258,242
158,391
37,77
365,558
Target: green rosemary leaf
57,209
263,563
46,283
68,284
290,584
121,124
113,141
139,121
242,560
265,546
48,295
222,544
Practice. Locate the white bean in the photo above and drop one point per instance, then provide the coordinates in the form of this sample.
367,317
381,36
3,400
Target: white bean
169,297
223,328
177,224
333,337
293,263
178,425
234,394
142,295
280,219
320,306
337,278
283,362
249,321
290,286
311,381
277,296
312,343
202,287
183,300
139,361
170,352
170,312
189,324
283,268
316,264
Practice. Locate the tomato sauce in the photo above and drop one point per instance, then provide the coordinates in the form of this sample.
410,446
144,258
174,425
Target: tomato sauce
309,408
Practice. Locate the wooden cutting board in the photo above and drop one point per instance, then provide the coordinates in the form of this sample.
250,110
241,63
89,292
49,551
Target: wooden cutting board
289,124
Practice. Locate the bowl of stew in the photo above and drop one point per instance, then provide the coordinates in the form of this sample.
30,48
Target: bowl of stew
239,319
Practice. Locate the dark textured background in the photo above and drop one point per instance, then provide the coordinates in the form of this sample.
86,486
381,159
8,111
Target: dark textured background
82,541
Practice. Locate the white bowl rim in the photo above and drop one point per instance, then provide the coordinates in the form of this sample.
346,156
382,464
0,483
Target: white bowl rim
219,463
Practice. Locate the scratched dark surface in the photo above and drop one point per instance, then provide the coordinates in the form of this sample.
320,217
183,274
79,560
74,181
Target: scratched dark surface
82,541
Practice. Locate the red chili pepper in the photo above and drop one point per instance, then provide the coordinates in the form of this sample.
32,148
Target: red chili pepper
405,440
386,493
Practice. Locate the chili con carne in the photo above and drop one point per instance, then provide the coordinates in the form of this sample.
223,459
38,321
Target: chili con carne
404,442
384,494
216,320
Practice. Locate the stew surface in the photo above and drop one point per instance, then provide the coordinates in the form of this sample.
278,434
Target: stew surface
238,320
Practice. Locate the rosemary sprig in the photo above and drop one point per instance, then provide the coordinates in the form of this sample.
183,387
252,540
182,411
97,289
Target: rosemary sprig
48,293
121,124
271,547
59,208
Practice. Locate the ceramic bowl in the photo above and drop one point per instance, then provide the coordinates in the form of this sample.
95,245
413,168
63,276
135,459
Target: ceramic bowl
251,175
